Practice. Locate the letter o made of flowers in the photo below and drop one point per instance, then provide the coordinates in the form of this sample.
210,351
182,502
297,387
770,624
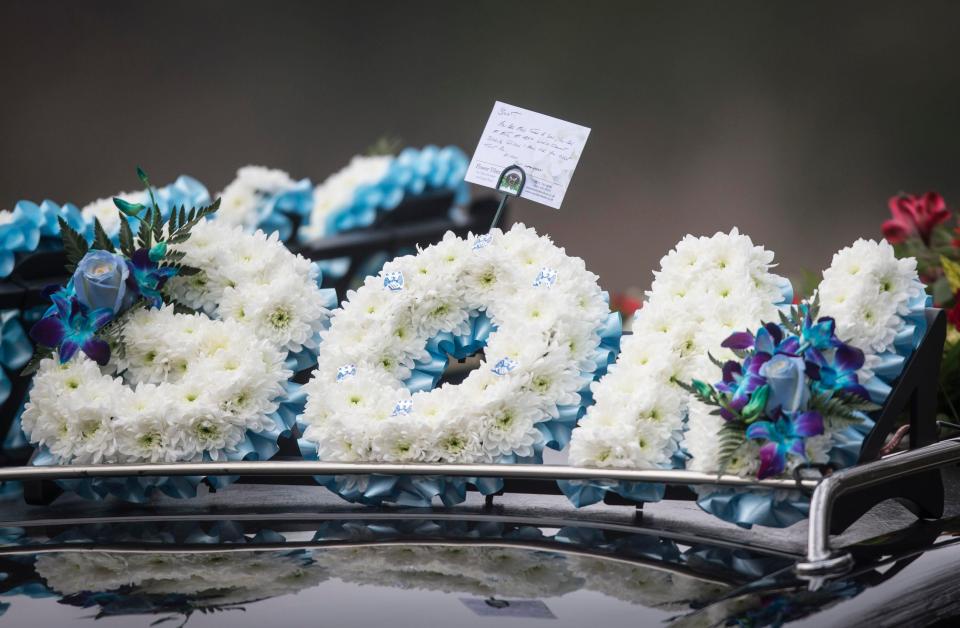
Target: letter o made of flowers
178,385
546,331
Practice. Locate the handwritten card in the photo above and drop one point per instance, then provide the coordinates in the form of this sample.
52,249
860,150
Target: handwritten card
546,148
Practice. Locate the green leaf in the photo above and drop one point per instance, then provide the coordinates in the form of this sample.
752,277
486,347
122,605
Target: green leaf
840,410
951,270
172,221
100,238
126,237
185,271
128,208
715,361
157,223
180,308
144,234
704,390
731,437
74,244
188,220
758,401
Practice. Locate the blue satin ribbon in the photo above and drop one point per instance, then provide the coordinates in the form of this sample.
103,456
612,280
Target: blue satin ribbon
410,174
15,349
276,212
36,226
783,509
420,491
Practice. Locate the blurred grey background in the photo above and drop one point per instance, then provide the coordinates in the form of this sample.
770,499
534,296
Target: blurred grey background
793,121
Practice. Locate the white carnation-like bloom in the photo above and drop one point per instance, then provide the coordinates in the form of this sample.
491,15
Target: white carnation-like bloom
255,280
867,291
546,309
338,189
185,387
241,200
706,288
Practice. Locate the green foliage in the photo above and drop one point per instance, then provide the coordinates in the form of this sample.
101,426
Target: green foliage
179,230
839,409
732,436
101,240
126,237
74,244
951,270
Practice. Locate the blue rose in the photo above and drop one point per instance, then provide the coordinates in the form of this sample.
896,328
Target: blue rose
100,281
787,379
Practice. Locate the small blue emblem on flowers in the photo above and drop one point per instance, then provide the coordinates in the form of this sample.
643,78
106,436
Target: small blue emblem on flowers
393,281
504,366
546,277
403,408
348,370
482,241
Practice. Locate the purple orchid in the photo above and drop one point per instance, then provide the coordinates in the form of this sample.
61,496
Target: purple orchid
70,326
838,373
740,382
820,335
147,277
784,435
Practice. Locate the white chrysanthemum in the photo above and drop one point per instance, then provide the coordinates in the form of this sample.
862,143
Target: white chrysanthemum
338,190
706,288
867,290
542,345
254,280
241,200
188,386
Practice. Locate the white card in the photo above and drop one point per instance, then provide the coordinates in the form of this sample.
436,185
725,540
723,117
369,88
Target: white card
546,148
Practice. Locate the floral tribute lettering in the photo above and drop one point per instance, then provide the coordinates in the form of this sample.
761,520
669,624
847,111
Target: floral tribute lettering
373,396
171,347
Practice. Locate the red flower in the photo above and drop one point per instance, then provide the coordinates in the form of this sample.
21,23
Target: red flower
953,316
625,304
914,215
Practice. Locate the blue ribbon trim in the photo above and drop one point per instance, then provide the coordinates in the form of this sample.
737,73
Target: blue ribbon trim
410,174
255,446
35,227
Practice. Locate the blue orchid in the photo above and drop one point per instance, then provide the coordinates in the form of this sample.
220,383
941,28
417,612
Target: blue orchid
70,326
838,372
820,335
784,435
741,382
147,277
